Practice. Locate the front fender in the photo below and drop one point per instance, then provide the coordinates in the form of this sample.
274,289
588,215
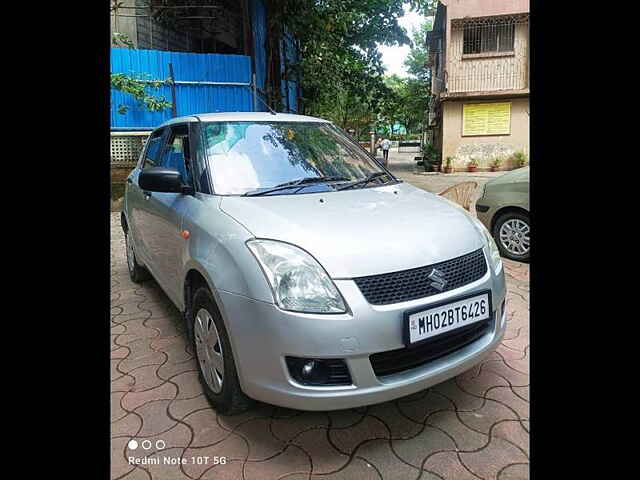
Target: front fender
217,249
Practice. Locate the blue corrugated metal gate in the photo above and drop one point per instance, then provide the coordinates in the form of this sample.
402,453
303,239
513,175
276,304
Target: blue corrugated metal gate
196,75
190,97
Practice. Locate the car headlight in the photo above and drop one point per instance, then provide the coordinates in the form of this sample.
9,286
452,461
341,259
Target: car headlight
298,282
494,253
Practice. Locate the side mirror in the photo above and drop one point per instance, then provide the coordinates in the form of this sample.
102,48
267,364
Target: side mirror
161,179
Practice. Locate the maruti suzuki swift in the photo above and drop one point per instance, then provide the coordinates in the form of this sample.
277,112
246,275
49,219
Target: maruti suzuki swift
308,275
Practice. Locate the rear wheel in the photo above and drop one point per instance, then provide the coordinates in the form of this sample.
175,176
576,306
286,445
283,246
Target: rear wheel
137,272
216,367
511,233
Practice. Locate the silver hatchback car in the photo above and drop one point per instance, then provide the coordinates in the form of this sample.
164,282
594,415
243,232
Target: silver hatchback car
309,276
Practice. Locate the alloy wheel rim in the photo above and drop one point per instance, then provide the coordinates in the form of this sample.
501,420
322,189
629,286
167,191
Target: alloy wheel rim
514,236
209,350
130,253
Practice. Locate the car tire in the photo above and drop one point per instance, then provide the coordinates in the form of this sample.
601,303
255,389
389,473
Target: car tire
513,222
221,385
137,272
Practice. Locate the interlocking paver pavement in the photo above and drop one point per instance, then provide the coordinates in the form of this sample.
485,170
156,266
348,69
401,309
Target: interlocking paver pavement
473,426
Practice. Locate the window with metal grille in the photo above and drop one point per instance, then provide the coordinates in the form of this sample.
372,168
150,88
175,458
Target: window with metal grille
488,37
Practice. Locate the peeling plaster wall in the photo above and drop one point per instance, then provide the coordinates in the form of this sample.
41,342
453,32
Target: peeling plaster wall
484,147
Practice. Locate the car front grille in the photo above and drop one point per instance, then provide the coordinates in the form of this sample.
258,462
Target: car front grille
411,284
395,361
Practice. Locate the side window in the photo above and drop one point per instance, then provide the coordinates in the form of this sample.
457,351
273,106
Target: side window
152,150
176,153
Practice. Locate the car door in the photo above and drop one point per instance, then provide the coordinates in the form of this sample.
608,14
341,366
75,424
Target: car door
164,212
136,202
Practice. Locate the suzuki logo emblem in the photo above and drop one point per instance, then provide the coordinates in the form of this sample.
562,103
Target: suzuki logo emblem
439,281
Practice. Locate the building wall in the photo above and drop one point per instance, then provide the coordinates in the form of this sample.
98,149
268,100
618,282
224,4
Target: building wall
125,25
478,8
479,73
484,147
484,8
437,49
152,35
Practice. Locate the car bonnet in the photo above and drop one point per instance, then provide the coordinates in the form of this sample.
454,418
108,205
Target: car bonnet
361,232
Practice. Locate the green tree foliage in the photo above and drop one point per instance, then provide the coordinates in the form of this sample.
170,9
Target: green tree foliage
340,66
139,89
417,58
409,101
136,85
350,109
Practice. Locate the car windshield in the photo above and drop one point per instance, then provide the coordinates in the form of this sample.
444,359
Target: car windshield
259,157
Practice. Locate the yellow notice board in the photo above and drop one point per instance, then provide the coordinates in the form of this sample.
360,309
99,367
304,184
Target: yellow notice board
486,118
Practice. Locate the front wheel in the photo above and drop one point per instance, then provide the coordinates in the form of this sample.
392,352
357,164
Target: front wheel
216,367
511,233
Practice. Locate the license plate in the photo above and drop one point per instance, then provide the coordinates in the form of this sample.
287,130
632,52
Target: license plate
446,317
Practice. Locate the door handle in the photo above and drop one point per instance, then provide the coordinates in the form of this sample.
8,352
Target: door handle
147,195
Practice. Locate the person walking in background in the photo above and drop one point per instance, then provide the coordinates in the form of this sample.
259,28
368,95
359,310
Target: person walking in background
386,145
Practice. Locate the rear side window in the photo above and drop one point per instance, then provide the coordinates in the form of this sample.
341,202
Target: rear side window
152,151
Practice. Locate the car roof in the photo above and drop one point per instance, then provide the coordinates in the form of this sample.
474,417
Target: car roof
244,117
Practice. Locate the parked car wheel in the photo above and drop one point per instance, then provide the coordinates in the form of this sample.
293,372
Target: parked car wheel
137,272
511,233
216,367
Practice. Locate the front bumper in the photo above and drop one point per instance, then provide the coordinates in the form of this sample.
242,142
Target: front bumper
262,335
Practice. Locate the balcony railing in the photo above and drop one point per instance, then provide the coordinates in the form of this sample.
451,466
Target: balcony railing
488,54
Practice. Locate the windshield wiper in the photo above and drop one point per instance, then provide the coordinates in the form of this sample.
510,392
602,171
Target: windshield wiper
366,180
295,183
313,180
